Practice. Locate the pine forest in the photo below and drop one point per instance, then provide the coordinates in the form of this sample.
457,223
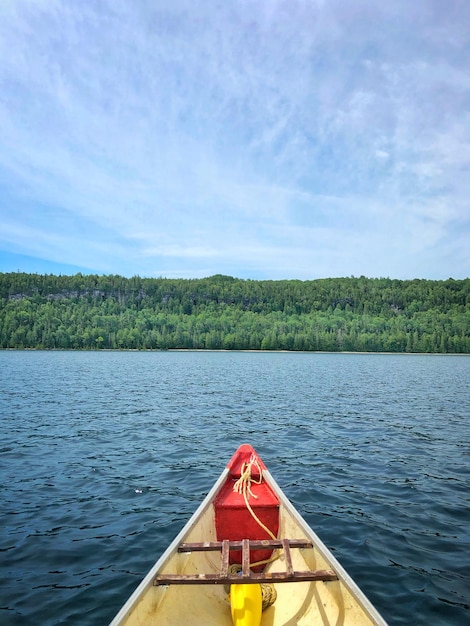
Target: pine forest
91,312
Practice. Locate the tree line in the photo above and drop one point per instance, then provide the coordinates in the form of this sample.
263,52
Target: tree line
220,312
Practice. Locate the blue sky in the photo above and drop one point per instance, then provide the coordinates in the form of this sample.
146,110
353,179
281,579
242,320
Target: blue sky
261,139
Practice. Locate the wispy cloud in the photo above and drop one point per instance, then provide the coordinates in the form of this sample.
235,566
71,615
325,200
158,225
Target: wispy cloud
269,139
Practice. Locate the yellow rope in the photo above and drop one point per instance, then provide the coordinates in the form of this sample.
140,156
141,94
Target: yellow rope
268,591
243,487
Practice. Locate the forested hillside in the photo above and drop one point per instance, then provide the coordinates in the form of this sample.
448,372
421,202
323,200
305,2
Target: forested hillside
220,312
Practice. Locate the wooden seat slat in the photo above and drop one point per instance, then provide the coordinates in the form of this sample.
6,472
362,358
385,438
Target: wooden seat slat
273,577
246,576
225,558
245,557
237,545
288,556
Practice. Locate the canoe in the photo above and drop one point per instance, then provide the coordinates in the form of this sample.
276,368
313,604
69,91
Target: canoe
247,558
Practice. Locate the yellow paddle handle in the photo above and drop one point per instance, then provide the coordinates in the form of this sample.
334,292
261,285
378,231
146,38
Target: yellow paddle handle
246,603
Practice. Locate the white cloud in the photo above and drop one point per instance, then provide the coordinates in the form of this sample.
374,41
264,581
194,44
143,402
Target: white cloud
382,154
262,137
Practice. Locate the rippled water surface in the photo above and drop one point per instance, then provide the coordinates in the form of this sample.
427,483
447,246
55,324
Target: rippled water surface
105,455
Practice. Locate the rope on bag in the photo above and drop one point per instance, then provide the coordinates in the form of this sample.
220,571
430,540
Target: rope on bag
243,487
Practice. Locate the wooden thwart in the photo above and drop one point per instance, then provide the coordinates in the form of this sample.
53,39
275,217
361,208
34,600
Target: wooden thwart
246,576
255,544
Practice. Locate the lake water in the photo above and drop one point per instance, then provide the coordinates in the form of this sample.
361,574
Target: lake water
105,455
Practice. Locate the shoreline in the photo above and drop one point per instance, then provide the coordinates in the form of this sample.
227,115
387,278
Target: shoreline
234,351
